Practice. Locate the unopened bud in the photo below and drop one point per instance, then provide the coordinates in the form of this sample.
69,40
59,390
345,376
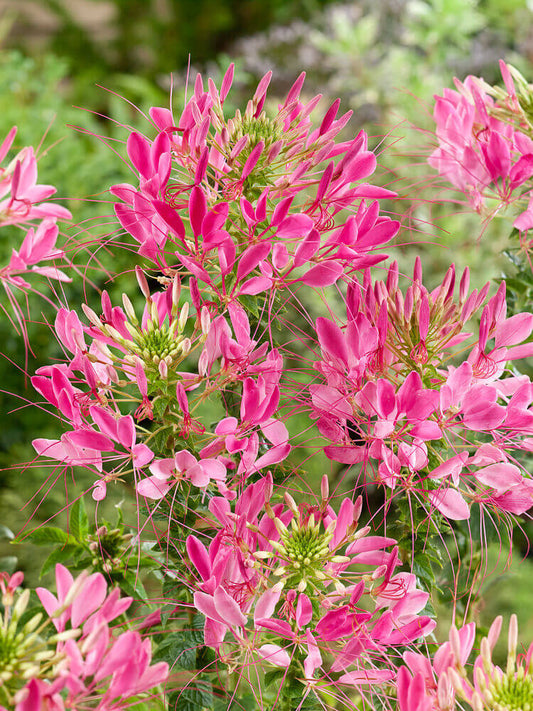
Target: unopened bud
33,623
203,362
486,654
324,488
280,527
291,503
512,643
186,346
154,315
184,315
91,316
143,284
128,308
176,290
21,604
205,320
357,508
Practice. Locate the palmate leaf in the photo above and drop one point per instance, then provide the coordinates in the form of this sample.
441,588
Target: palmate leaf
179,649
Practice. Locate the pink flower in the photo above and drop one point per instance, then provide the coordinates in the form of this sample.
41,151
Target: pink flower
167,472
20,180
99,664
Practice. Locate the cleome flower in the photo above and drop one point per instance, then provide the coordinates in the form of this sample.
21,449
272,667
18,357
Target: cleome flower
387,398
302,586
449,681
84,662
243,202
485,147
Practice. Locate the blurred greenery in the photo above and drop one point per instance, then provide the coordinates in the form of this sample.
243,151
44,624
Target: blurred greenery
149,37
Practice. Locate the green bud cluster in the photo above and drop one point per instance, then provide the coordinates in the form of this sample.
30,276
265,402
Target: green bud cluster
513,692
107,547
21,648
260,128
158,343
305,551
158,346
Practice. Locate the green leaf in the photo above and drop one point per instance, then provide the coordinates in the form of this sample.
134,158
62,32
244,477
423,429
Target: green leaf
78,521
274,676
226,702
180,648
423,570
250,303
196,698
172,588
132,586
47,535
59,555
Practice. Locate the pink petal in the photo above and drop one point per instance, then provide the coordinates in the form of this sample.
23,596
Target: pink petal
153,488
90,598
450,503
273,654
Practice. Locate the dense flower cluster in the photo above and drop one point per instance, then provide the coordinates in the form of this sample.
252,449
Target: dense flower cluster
485,143
447,681
227,198
304,586
447,433
86,662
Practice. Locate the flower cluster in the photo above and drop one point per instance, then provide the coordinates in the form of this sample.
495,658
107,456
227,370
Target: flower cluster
445,681
193,392
21,203
485,143
446,433
304,587
124,372
85,661
243,204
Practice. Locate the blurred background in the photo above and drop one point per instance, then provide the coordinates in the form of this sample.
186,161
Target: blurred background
98,65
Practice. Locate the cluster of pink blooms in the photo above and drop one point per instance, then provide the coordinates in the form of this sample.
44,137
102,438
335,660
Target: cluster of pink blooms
443,682
485,145
91,665
21,204
117,350
265,566
447,433
190,397
190,213
226,198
